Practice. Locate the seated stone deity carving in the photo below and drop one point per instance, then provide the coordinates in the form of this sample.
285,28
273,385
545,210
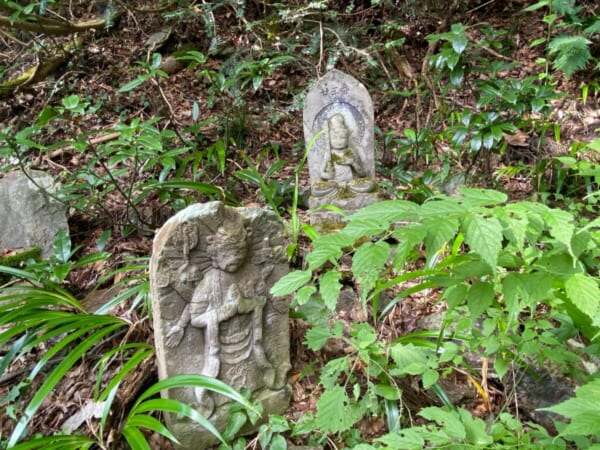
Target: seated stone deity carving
227,304
342,171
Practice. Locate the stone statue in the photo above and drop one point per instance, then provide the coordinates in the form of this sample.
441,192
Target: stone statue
341,160
211,271
342,167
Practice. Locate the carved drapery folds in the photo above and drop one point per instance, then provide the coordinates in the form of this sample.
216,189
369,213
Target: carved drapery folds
211,271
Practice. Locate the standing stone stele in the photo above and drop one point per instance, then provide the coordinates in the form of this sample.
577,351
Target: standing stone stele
341,161
211,271
29,216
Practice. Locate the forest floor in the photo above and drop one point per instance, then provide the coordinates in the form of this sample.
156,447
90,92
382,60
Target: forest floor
265,127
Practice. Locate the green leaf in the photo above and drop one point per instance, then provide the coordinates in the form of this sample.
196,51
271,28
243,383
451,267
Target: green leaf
409,359
335,412
150,423
407,439
70,102
449,419
443,207
456,76
430,377
328,248
304,294
138,81
56,375
386,212
480,297
290,283
235,422
62,247
561,225
482,197
367,263
439,232
459,38
135,438
483,235
278,443
58,442
584,293
571,52
501,367
475,429
317,336
582,410
329,287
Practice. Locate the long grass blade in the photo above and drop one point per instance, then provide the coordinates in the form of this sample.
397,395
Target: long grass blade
149,422
135,438
55,376
60,442
175,407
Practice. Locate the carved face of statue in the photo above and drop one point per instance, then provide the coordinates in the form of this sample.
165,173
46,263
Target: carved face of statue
338,132
228,248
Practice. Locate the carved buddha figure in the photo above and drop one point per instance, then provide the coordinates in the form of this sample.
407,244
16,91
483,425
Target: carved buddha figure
342,169
228,305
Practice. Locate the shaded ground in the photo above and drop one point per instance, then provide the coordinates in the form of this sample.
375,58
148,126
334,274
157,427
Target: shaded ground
264,126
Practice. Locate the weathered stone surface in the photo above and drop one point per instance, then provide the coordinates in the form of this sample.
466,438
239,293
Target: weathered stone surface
29,216
341,161
211,270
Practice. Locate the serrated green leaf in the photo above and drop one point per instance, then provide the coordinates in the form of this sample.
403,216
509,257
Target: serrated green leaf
304,293
482,197
444,206
449,419
386,212
480,297
407,439
501,367
561,225
535,286
328,247
387,392
430,377
367,263
409,359
582,410
582,290
317,336
475,429
408,236
483,235
329,287
290,283
335,412
439,233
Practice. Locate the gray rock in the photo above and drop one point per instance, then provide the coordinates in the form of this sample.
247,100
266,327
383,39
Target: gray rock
211,271
30,217
341,165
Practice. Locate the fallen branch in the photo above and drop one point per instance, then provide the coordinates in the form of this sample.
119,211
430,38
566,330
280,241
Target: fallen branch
50,26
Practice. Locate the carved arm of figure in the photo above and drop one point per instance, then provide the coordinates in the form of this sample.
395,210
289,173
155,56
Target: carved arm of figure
356,163
327,169
245,305
175,334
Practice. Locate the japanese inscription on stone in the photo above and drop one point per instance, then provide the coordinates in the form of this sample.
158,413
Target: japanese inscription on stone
338,110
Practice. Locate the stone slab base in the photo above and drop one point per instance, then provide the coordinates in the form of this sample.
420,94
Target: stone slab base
195,437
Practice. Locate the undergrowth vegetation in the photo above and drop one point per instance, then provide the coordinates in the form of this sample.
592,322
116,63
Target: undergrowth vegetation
513,277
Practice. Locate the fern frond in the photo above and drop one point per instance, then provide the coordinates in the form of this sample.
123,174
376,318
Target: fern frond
572,53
